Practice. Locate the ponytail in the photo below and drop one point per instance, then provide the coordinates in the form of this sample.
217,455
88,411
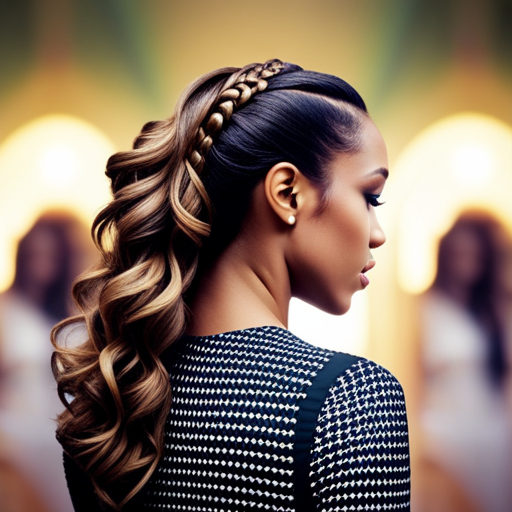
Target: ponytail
115,389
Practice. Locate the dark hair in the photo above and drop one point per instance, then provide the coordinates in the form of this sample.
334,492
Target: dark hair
303,117
58,227
187,181
484,292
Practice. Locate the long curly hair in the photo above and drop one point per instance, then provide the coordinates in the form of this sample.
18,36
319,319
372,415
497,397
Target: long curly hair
178,196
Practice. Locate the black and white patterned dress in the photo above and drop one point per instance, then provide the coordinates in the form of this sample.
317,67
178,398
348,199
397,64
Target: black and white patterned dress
261,420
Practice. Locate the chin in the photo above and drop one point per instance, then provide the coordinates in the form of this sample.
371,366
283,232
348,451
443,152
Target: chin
341,309
331,304
336,307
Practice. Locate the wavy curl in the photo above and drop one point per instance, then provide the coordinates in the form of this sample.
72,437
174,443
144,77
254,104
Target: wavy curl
132,304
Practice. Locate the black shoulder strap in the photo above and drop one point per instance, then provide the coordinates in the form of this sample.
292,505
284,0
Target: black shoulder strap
309,409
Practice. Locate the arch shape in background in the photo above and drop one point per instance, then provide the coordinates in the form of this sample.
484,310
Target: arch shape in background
53,162
461,162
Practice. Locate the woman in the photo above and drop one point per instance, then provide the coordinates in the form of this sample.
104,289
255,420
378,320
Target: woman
47,261
464,415
189,392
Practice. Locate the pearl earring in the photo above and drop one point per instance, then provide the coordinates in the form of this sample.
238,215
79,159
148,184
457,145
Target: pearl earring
291,219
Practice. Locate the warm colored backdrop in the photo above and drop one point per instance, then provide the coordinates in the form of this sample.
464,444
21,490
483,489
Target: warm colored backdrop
112,65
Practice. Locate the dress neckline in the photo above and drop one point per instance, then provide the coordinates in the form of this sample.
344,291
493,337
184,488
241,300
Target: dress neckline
261,328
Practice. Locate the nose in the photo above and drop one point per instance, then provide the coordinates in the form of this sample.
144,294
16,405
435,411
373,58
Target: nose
377,235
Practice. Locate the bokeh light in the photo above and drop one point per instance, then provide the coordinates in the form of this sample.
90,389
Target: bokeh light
463,161
54,162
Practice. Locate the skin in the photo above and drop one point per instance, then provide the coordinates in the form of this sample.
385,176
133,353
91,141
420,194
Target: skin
319,258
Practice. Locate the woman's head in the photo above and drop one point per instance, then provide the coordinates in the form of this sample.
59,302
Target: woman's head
301,117
468,257
46,263
316,125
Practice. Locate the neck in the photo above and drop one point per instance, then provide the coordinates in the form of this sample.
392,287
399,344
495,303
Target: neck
247,286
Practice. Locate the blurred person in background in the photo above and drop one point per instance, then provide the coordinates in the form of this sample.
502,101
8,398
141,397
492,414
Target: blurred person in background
464,413
48,258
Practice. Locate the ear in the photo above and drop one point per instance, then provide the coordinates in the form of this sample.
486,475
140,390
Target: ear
284,189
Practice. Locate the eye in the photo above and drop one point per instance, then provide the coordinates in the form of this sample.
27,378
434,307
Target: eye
373,199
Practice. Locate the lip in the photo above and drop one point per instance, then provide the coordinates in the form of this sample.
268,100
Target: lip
362,277
368,266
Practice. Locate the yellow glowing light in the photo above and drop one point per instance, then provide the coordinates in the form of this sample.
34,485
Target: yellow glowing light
473,164
463,161
59,165
54,162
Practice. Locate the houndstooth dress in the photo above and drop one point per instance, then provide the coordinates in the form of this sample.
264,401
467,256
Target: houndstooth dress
261,420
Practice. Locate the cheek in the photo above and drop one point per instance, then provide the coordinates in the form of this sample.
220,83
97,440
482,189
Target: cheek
326,258
349,228
336,239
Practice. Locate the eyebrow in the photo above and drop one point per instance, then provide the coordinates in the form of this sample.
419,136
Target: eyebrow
382,171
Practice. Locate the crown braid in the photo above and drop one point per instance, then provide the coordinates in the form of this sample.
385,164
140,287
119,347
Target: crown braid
252,81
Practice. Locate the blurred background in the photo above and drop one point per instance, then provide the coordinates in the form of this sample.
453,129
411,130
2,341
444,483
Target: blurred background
79,78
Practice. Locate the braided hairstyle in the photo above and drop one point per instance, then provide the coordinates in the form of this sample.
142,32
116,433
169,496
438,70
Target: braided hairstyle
178,198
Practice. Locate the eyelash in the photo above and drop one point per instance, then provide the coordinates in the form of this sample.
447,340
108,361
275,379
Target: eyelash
373,200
